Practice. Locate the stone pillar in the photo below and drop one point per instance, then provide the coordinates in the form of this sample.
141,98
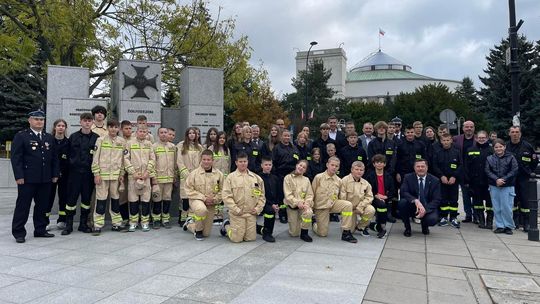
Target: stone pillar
136,90
201,92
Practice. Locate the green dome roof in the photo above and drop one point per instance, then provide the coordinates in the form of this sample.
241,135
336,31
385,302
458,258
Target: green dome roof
383,75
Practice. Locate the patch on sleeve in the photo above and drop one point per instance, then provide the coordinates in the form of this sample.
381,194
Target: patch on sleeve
126,151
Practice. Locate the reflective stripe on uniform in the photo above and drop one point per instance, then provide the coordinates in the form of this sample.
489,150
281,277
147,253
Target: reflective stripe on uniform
525,210
85,206
306,220
382,209
199,218
346,213
268,215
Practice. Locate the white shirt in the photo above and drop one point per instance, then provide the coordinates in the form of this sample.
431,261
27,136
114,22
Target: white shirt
332,134
37,133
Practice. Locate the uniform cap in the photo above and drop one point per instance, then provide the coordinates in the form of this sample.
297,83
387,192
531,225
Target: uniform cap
396,120
37,113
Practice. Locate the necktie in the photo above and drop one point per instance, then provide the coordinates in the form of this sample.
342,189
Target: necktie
421,191
39,136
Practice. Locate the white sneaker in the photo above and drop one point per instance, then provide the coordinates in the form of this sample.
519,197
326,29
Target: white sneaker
145,227
132,227
61,225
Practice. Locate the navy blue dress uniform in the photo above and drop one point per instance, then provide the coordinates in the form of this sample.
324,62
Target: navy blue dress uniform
447,162
386,147
61,148
407,153
33,160
348,155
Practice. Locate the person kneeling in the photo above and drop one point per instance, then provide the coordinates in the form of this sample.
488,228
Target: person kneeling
299,200
243,194
357,190
420,197
203,188
326,187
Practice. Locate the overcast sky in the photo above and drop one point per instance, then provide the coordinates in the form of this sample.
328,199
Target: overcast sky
439,38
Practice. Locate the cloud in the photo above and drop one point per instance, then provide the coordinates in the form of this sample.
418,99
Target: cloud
438,38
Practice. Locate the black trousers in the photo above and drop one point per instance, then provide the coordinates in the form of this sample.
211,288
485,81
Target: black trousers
25,193
408,210
520,201
62,186
381,209
449,202
79,184
480,194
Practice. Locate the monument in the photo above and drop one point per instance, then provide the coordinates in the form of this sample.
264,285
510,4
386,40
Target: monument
67,95
201,99
136,90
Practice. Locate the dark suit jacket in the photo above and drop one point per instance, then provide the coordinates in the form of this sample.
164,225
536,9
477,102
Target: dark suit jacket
33,159
365,144
432,190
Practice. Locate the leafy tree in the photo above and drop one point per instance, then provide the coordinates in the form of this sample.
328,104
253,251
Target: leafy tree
170,99
97,33
368,112
425,104
497,92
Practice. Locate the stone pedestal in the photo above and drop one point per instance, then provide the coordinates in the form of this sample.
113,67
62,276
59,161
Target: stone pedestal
201,99
136,90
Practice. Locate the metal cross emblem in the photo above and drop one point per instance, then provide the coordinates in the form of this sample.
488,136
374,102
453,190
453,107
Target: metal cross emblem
140,81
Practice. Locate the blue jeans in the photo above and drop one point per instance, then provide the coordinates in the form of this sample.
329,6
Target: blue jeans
502,199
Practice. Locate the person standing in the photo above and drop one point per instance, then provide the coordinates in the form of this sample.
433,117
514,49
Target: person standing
61,146
420,197
501,170
409,150
165,152
35,167
336,134
463,142
108,170
323,141
126,130
367,137
98,126
82,145
477,181
351,153
284,159
527,162
447,166
271,205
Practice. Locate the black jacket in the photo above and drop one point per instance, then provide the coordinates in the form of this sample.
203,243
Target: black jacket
388,148
315,168
284,159
407,153
475,164
304,152
348,155
525,156
432,190
389,186
81,151
447,162
33,159
321,144
271,188
62,149
254,156
505,167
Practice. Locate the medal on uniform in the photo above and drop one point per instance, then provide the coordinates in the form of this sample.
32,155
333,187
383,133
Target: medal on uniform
47,145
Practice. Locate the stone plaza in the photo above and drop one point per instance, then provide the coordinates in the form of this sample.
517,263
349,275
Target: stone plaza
468,265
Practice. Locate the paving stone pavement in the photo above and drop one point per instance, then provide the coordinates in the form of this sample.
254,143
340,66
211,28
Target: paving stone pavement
467,265
169,266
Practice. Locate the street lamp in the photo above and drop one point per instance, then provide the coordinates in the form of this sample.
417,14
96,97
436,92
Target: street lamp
311,44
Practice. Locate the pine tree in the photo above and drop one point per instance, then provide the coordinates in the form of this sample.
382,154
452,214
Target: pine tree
20,93
497,92
170,99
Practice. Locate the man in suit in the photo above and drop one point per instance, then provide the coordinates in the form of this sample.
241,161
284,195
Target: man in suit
367,137
35,166
420,197
336,134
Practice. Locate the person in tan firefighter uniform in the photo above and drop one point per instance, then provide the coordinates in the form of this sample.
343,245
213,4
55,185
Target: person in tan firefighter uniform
139,162
326,187
108,170
189,157
243,194
162,184
357,190
203,188
126,132
299,200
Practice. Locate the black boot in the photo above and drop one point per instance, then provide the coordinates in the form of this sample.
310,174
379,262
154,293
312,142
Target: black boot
83,224
283,216
334,217
260,229
481,218
489,220
305,236
269,229
347,236
69,225
525,221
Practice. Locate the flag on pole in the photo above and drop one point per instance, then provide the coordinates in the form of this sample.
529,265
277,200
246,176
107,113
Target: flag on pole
302,115
311,114
381,32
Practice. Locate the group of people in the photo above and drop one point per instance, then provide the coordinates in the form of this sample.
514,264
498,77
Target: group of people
361,181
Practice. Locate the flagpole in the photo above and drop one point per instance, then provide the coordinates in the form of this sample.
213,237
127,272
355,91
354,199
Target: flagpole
379,41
